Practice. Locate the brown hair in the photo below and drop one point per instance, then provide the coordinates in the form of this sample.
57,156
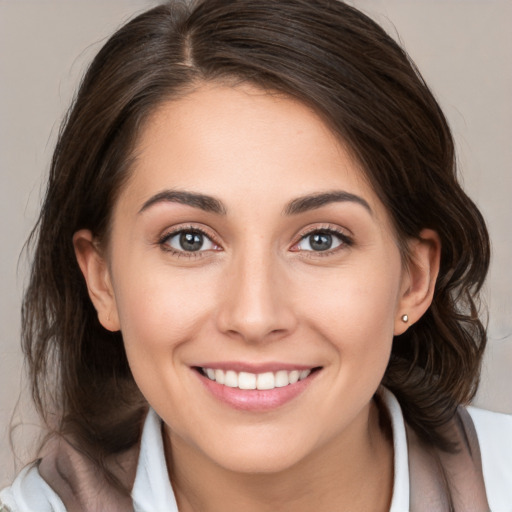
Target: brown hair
328,55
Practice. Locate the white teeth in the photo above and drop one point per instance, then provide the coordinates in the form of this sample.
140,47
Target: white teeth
246,380
219,376
282,379
304,374
293,376
231,379
265,381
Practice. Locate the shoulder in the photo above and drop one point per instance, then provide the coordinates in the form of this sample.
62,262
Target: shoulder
28,493
494,431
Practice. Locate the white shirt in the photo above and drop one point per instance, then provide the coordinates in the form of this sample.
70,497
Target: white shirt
152,491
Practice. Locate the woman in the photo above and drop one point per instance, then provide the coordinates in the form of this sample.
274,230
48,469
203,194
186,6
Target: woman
256,278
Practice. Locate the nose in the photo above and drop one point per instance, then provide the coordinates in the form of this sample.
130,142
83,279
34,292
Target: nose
256,305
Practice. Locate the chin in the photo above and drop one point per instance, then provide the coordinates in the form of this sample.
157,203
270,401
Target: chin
261,456
263,463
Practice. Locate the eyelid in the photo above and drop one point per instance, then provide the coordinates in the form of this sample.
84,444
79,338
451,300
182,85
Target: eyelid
176,230
342,233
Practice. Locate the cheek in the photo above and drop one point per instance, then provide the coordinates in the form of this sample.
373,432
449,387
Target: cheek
160,312
355,308
159,309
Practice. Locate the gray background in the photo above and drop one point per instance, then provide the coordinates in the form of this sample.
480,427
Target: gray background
462,47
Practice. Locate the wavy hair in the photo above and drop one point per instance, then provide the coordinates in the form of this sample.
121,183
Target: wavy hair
326,54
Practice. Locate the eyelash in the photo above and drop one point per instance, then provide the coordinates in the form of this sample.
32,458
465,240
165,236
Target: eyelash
163,241
346,241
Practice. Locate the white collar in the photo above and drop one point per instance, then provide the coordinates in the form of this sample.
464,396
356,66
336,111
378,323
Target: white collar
152,491
400,500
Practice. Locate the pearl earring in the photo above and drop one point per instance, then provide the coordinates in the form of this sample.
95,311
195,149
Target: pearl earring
405,318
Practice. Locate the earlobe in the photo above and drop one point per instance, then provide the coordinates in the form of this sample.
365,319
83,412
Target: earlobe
97,277
418,283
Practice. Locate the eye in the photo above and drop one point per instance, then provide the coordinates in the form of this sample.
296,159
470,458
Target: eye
188,240
322,241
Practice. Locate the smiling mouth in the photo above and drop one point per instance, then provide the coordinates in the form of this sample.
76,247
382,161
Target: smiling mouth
256,381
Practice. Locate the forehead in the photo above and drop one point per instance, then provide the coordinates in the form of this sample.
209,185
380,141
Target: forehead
240,142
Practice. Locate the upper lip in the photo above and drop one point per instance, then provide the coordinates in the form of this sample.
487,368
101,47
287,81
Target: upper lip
239,366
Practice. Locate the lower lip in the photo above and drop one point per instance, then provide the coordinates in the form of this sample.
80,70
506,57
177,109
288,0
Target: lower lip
254,399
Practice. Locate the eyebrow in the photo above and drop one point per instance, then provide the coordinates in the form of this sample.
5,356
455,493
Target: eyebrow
314,201
294,207
201,201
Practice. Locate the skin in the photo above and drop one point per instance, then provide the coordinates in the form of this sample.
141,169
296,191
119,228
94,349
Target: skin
259,293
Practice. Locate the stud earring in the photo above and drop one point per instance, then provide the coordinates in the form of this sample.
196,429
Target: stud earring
405,318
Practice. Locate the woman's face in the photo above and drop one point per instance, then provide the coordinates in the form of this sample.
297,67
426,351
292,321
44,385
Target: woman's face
248,248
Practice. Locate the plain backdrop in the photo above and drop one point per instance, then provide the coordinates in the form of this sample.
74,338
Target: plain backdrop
462,47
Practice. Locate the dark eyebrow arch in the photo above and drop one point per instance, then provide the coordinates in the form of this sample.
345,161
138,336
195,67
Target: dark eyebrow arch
314,201
201,201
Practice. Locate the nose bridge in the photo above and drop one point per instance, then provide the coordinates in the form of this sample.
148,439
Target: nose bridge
254,305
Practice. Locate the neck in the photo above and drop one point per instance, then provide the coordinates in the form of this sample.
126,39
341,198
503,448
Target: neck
352,472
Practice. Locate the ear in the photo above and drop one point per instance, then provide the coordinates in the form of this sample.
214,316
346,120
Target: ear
97,277
419,279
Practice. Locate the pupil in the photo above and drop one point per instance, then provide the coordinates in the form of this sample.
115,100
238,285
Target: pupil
320,241
191,241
